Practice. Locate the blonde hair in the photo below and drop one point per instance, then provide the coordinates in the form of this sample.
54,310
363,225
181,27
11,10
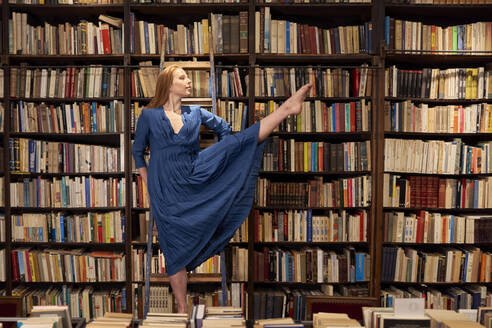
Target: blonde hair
164,82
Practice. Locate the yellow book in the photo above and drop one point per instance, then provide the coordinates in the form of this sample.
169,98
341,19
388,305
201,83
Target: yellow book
474,91
468,83
205,35
305,166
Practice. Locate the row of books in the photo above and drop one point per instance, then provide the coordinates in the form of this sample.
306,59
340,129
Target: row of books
291,302
82,117
306,156
327,82
158,264
282,36
319,116
68,192
75,265
464,264
66,82
435,83
83,302
436,156
164,303
466,300
82,38
436,228
412,35
233,112
106,227
312,265
348,192
435,192
139,194
302,226
407,116
229,33
37,156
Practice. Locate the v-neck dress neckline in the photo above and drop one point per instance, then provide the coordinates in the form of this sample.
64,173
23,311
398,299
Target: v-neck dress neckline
171,125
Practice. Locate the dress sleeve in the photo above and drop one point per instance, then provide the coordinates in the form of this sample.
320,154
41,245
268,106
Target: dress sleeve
141,141
215,123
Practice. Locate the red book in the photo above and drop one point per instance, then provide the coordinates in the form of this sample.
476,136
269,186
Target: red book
321,43
355,82
15,266
266,264
312,39
307,42
27,265
352,116
361,226
104,30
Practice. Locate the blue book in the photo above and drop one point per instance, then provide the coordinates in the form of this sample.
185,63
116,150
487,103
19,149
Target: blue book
333,118
62,228
314,156
359,266
87,193
387,30
287,37
94,117
21,115
20,260
451,236
146,35
123,223
245,118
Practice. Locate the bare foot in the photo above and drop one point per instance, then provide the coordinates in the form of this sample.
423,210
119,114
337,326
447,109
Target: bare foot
293,105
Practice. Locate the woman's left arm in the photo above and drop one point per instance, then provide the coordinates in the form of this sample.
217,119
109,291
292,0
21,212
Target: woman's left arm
215,123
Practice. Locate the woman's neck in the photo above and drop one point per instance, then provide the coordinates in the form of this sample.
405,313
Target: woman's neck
173,104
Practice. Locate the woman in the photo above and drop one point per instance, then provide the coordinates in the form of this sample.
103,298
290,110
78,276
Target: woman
198,199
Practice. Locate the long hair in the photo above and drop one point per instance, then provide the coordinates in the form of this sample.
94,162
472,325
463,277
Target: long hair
164,82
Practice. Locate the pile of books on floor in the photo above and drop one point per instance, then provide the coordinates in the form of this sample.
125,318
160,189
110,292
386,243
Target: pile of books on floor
216,316
326,320
165,320
277,323
47,316
431,318
112,320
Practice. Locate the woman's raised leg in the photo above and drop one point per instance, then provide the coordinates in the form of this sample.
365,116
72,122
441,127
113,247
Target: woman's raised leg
291,106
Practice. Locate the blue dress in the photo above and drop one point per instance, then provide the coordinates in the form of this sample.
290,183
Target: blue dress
198,198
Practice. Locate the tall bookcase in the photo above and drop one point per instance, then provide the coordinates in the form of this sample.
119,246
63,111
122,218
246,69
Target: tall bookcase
379,58
431,185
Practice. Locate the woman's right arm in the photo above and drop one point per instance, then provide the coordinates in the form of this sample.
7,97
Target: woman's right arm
140,145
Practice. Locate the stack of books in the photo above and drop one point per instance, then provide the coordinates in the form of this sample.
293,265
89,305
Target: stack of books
112,320
220,317
165,320
277,323
59,314
326,320
385,317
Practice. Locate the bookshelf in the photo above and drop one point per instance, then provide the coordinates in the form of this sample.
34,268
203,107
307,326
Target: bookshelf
451,284
253,59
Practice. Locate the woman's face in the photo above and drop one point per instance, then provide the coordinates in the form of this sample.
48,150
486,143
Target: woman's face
181,86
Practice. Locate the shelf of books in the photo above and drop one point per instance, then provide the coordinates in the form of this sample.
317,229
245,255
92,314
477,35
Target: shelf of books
437,175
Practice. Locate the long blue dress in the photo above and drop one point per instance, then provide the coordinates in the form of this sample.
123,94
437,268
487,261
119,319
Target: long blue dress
198,198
